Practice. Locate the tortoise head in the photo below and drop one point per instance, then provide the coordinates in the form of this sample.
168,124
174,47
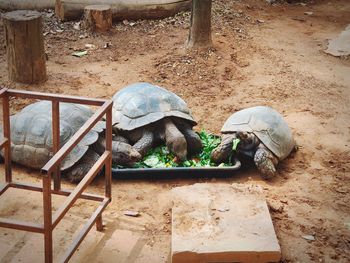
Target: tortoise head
178,146
124,154
248,140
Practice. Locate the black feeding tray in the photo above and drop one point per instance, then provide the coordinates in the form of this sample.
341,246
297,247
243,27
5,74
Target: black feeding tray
175,172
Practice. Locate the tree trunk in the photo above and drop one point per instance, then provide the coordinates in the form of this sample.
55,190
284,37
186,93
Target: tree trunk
123,9
98,18
25,46
200,31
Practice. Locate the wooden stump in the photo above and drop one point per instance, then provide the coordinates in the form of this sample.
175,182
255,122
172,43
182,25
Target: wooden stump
200,31
25,46
98,18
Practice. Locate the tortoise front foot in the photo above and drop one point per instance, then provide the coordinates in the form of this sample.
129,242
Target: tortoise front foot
223,152
194,143
145,142
175,140
82,167
265,161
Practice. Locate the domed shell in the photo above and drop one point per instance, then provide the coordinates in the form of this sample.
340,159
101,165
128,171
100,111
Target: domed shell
31,133
140,104
267,124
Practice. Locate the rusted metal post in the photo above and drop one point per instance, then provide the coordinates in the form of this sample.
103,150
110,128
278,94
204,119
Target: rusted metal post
99,223
47,218
108,167
7,134
56,142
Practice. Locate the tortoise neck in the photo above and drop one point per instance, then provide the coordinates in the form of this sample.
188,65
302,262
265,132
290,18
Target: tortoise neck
170,129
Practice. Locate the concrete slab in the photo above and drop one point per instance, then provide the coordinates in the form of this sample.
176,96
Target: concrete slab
340,46
222,223
117,247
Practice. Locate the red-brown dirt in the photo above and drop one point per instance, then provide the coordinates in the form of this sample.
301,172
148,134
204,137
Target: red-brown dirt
262,55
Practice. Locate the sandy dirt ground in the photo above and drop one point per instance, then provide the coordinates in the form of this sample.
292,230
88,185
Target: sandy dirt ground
262,55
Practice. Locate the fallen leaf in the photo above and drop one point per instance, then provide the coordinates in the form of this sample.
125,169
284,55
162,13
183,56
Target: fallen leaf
79,53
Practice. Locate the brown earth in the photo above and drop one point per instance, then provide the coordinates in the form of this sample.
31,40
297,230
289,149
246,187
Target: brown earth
262,55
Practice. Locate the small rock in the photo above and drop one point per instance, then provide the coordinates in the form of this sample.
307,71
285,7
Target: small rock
299,19
131,213
260,21
309,237
223,209
275,206
308,13
49,15
83,36
90,46
76,26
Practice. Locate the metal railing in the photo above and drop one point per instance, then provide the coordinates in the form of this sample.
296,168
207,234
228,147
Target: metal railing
52,169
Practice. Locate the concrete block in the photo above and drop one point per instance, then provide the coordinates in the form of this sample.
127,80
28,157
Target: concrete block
118,247
222,223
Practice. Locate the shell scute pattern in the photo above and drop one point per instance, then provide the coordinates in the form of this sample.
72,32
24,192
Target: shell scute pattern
267,124
140,104
31,133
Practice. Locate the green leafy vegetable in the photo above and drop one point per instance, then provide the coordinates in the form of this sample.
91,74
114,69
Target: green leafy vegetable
235,144
160,157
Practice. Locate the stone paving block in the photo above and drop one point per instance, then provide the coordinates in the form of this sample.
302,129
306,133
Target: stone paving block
117,247
222,223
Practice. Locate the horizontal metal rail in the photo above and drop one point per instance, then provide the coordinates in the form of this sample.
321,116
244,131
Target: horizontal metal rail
21,225
30,187
61,98
3,91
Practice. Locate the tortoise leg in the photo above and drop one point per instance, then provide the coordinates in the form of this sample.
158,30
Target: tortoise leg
120,138
174,139
145,142
265,161
222,153
194,143
81,168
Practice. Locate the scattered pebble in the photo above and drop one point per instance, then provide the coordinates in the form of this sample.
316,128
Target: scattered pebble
90,46
131,213
223,209
309,237
76,26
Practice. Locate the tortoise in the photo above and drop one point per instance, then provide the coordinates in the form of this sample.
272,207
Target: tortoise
264,135
31,139
147,114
